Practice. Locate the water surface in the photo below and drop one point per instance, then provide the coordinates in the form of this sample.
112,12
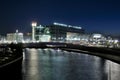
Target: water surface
50,64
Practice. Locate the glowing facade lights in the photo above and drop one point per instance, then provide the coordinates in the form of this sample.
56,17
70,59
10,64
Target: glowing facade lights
60,24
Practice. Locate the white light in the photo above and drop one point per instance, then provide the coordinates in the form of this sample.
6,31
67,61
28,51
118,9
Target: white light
60,24
97,36
16,31
116,41
34,24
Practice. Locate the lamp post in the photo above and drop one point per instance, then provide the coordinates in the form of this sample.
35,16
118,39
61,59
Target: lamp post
34,24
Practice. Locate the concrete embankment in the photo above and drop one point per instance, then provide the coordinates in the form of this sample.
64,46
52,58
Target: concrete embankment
107,53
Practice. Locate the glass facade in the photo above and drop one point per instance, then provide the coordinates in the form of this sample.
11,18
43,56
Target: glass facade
59,32
55,32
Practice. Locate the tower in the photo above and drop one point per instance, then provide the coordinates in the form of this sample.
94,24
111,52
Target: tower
34,24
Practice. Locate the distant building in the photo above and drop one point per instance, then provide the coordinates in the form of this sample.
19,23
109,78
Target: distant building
68,33
55,32
15,37
40,33
97,39
63,32
2,39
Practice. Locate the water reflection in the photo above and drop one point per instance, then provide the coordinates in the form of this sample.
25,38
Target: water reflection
49,64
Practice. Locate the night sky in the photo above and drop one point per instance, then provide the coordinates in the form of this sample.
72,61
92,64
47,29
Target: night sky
93,15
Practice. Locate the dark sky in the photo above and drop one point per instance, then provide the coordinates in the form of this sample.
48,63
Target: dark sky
92,15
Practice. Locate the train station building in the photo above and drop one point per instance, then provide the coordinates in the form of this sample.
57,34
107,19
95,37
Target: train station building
56,32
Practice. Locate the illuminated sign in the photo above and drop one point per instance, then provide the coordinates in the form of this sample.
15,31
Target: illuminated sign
60,24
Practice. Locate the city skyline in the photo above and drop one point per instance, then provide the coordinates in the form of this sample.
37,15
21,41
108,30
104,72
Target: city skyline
94,16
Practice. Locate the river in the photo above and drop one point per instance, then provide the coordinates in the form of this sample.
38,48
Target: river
50,64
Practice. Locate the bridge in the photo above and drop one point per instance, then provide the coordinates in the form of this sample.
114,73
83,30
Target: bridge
108,53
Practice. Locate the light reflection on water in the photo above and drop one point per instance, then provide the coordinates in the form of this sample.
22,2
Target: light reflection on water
49,64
